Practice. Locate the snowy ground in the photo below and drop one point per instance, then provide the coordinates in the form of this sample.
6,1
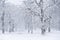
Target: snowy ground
36,36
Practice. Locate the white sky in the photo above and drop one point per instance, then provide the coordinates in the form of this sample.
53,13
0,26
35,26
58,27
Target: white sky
16,2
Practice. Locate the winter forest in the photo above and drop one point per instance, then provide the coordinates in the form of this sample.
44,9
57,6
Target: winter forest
29,19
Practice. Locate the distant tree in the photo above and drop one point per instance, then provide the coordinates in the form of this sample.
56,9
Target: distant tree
3,14
11,21
29,22
2,18
11,24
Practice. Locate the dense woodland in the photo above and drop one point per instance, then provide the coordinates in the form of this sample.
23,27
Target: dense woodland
31,15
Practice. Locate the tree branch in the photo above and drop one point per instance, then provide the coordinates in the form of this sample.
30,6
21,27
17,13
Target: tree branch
38,4
55,3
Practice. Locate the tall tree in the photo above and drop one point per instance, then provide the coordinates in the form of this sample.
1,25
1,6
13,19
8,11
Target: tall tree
2,18
29,22
41,5
3,14
11,24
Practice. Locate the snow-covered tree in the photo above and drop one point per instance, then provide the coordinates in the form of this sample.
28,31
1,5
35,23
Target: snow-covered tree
3,14
6,17
11,24
29,15
42,5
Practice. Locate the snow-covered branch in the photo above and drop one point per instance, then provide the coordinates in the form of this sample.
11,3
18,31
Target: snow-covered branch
49,6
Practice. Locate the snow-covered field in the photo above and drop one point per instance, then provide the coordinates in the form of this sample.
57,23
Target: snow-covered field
36,36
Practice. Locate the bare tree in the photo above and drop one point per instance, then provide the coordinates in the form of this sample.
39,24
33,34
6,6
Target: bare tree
40,4
43,9
29,14
11,24
11,21
2,18
3,14
49,21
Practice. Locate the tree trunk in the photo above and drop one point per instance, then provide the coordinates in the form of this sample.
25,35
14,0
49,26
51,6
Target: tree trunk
3,23
49,29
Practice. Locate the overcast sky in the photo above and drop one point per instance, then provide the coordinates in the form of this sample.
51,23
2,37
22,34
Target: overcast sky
16,2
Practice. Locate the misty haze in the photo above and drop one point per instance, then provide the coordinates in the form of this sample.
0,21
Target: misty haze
29,19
